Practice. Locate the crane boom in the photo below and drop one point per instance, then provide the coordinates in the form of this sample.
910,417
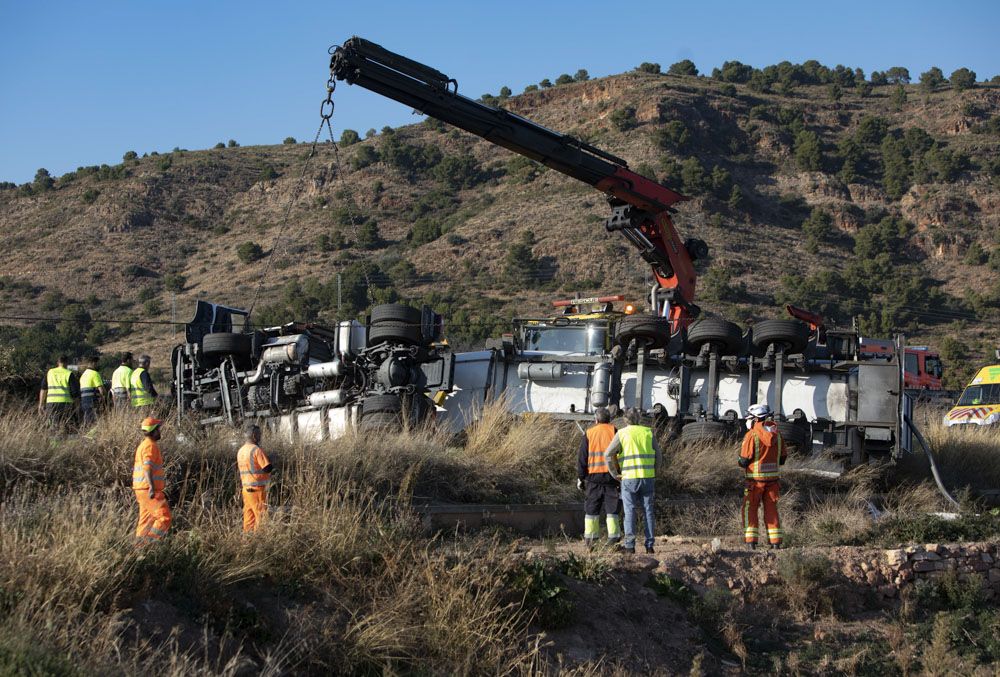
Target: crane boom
641,207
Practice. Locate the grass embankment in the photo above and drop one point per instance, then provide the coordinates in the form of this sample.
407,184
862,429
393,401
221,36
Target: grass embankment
343,580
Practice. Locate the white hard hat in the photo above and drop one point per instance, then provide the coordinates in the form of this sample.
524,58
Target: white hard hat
759,411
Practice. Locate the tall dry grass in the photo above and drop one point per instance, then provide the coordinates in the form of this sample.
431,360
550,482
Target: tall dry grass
967,456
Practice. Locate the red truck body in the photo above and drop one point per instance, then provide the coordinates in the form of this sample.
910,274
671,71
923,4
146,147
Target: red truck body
922,368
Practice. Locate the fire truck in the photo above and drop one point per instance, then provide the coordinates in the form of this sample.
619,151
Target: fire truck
696,372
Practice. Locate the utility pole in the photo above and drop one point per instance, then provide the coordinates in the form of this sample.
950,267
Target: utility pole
339,295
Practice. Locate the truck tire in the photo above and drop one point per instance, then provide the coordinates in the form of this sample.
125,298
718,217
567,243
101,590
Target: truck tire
703,431
225,343
381,404
654,330
396,312
797,437
725,335
384,421
792,334
395,332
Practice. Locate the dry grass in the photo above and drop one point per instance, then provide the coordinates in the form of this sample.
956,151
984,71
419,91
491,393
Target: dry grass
967,456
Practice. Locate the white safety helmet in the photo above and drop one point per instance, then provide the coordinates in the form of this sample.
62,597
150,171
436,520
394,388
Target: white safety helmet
759,411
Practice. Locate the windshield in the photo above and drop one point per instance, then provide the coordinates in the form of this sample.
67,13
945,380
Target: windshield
984,394
933,367
572,340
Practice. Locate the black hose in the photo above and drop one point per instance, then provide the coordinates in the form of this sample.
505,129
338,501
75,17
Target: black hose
930,457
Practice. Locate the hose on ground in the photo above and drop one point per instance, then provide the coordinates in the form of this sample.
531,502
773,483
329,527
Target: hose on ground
930,457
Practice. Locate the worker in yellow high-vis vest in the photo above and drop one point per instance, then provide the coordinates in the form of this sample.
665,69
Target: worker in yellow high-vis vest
633,457
58,392
93,394
141,385
121,382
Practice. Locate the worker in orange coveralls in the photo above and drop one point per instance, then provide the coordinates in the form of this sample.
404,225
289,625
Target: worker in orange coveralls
147,481
255,475
761,455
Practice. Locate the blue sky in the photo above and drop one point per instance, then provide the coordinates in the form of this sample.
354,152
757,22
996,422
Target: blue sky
81,83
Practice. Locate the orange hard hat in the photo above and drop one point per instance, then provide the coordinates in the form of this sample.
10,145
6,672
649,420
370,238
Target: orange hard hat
149,424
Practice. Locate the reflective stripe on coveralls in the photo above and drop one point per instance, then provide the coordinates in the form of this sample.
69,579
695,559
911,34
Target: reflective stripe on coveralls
57,386
147,456
637,458
140,396
251,459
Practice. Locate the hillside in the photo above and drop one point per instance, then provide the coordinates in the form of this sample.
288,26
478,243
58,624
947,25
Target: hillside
849,202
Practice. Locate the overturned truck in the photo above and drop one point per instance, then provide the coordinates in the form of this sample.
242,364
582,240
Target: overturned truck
394,369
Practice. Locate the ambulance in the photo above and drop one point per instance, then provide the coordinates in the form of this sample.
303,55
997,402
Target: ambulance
980,401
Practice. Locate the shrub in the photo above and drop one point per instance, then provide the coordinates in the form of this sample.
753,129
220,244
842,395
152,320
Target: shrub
505,92
817,228
898,98
174,282
648,67
564,79
871,129
834,91
693,176
931,79
424,230
90,196
624,119
673,135
233,144
806,585
735,199
879,79
458,171
249,251
130,155
733,71
369,236
728,89
289,140
897,75
219,146
580,76
267,173
963,79
522,170
545,83
365,156
684,67
165,163
349,137
43,181
975,255
808,154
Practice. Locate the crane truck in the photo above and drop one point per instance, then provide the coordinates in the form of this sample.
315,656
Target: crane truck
673,361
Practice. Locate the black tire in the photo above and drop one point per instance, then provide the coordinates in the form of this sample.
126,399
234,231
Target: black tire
381,404
224,343
652,329
396,312
725,335
701,431
381,421
395,332
792,334
796,437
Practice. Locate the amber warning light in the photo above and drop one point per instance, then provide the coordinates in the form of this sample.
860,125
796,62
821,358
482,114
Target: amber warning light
592,299
629,309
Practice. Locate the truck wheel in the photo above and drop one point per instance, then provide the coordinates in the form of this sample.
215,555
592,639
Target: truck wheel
703,431
654,330
792,334
225,343
395,332
381,404
381,421
396,312
797,437
725,335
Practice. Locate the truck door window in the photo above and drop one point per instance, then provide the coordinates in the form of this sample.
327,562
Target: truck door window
910,364
572,340
933,366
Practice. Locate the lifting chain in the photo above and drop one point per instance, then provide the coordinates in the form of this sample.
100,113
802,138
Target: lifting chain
325,114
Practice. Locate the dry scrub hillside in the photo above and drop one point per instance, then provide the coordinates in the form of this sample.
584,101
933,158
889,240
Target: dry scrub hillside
849,201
